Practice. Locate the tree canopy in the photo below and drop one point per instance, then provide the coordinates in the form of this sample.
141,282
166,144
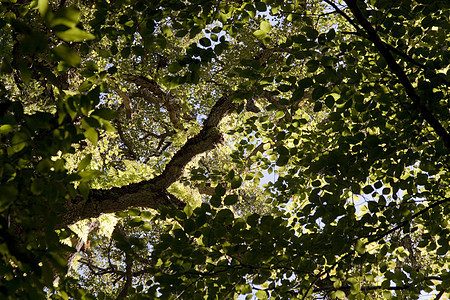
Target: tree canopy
224,149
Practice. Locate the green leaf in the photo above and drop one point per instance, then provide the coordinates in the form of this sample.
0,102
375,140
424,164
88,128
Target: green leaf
67,16
261,295
19,141
85,86
135,222
245,288
166,30
88,175
284,88
174,67
260,34
298,94
422,179
205,42
340,294
225,216
368,189
318,92
43,7
37,186
6,128
220,190
25,74
68,55
92,135
253,220
181,33
231,199
250,10
90,122
85,162
442,250
125,53
103,53
305,83
331,34
378,184
311,32
236,182
216,200
280,114
83,188
360,247
133,211
317,106
265,26
282,150
337,283
172,82
8,194
44,166
74,35
104,113
329,101
282,160
261,6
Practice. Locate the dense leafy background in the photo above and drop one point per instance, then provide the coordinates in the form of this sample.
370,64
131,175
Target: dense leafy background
211,149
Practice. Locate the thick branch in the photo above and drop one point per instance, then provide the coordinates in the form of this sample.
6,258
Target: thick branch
157,96
147,83
202,142
128,277
126,102
151,193
401,75
124,139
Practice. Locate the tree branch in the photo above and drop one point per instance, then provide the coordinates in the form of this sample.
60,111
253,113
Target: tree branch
421,212
126,102
128,277
93,226
401,75
342,13
124,139
151,193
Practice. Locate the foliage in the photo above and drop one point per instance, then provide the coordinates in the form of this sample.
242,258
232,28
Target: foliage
211,149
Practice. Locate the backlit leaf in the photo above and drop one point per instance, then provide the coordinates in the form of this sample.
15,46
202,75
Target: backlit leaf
265,26
75,35
260,34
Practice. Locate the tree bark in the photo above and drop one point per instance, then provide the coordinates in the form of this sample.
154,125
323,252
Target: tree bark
150,193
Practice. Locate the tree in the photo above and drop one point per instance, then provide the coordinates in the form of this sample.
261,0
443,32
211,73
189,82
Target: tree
134,137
